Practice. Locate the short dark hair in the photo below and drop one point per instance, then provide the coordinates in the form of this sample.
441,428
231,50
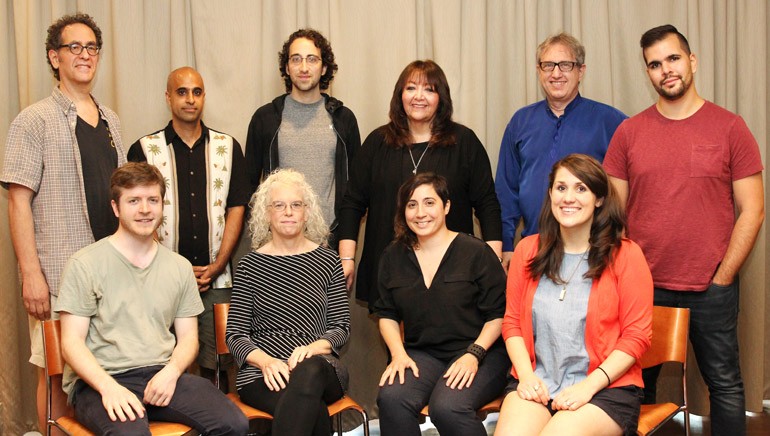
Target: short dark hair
607,228
660,33
397,130
133,174
327,56
402,233
53,41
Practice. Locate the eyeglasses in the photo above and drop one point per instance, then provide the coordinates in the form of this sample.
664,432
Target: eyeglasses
280,206
564,66
76,48
310,59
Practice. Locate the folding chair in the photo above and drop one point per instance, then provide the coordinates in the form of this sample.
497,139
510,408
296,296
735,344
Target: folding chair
490,407
670,326
54,366
335,409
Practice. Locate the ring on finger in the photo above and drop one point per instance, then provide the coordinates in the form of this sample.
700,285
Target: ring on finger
536,388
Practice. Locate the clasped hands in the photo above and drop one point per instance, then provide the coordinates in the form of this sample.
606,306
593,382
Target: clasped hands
573,397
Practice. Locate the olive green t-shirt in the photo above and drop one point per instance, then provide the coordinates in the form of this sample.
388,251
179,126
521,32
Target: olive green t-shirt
131,309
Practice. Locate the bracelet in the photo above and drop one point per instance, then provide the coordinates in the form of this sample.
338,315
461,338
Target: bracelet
347,258
609,382
476,351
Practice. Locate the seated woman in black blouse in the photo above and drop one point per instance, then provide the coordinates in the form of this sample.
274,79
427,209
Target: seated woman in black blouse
448,289
289,314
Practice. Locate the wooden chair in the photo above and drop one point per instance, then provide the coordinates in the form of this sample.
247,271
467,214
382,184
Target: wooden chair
670,326
335,409
54,366
490,407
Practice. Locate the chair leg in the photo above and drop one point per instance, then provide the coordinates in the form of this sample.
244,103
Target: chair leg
365,419
339,424
687,422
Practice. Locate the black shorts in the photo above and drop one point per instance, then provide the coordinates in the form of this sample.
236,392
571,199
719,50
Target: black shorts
622,404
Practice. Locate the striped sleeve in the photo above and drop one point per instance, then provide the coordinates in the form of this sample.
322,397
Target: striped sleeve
338,312
242,312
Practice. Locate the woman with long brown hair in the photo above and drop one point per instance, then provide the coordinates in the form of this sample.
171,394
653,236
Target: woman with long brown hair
578,313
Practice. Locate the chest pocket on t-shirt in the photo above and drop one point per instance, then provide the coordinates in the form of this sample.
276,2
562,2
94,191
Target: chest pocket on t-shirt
706,160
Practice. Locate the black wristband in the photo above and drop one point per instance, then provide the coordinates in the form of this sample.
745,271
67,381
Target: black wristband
476,351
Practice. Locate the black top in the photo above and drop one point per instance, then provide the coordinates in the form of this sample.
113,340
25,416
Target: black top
378,171
263,151
467,291
191,172
98,159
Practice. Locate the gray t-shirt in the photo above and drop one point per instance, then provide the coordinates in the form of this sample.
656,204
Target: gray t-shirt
560,326
131,309
307,143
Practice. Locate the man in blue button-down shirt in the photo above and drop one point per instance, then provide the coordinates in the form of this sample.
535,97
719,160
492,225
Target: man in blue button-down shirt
540,134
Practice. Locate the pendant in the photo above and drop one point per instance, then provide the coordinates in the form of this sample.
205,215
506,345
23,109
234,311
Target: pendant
563,293
414,171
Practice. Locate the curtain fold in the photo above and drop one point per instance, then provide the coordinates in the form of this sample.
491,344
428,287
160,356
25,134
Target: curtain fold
487,49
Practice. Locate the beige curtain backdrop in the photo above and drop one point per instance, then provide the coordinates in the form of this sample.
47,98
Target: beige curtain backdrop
487,49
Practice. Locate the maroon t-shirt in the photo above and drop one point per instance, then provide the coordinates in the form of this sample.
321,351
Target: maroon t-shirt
680,174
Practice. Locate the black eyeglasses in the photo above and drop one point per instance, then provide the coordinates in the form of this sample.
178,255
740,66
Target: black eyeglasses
76,48
564,66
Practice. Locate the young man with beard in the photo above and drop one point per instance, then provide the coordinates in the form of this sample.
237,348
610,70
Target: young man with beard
305,129
683,167
119,299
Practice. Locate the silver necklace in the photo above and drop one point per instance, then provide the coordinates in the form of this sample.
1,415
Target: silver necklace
415,165
563,292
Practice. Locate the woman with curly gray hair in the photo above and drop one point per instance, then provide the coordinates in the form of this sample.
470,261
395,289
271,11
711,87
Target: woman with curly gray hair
289,315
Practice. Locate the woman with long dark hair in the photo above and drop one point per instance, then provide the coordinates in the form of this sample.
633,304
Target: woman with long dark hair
448,291
578,313
420,137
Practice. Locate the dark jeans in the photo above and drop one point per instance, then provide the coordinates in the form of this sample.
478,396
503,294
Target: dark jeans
196,403
714,338
452,411
300,409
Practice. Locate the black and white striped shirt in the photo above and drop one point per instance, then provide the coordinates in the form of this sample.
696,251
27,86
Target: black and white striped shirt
283,302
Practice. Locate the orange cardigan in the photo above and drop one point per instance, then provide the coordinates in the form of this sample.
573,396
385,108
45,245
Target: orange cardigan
619,308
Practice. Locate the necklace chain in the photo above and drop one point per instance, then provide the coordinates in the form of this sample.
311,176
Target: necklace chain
415,165
563,292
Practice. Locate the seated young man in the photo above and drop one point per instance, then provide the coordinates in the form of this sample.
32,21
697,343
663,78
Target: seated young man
119,298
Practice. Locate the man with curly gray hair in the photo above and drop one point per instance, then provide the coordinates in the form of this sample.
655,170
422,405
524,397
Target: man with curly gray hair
58,160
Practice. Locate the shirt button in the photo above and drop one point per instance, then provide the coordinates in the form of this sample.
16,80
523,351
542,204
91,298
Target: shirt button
195,237
195,215
192,194
192,173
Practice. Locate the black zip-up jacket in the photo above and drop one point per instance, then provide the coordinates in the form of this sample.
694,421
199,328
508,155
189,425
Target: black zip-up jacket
262,151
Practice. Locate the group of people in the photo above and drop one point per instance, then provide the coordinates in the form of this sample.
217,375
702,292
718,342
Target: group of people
560,336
